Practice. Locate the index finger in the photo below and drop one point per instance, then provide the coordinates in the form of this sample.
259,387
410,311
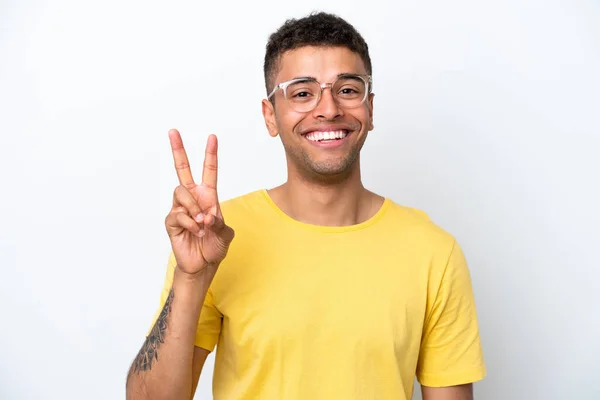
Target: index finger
182,165
209,173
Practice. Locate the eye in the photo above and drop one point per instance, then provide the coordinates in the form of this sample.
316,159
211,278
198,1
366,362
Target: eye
303,90
348,90
349,87
302,94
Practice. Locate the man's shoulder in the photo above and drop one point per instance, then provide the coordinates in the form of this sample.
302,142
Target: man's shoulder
409,215
418,225
243,204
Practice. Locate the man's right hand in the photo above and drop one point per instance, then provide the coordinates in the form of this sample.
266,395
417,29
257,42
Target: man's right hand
199,237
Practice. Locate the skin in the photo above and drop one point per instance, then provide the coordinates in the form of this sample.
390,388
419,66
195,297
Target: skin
460,392
323,187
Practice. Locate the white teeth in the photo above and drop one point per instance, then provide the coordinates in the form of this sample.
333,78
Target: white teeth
318,136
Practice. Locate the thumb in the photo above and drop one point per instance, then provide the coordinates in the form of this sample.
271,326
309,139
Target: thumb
221,230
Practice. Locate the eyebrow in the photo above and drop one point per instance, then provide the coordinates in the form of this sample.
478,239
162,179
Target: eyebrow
347,74
304,78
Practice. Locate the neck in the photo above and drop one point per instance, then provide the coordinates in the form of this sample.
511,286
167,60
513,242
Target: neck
327,202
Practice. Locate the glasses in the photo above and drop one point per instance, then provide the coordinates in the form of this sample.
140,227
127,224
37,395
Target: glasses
304,94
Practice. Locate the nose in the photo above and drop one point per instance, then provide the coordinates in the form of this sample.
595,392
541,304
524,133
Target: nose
327,107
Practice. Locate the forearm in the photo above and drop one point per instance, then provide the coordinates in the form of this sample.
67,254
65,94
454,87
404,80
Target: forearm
163,366
460,392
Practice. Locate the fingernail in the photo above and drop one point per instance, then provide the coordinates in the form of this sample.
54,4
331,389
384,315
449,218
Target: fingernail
200,217
201,233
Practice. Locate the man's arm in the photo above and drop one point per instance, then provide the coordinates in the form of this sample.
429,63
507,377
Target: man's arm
200,356
168,366
450,357
460,392
168,362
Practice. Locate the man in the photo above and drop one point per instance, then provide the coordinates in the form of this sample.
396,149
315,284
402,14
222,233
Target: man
328,291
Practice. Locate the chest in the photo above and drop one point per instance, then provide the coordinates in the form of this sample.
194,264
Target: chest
326,296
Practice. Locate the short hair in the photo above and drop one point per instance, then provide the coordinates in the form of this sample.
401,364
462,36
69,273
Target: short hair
316,29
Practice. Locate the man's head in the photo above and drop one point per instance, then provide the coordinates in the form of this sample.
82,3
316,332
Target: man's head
319,30
303,56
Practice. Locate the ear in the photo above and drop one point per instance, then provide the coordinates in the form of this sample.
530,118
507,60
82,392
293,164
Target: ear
268,112
370,101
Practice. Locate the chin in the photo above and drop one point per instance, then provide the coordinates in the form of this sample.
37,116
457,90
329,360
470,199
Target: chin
331,168
321,168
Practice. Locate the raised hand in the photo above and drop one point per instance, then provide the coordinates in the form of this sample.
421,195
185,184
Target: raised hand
199,237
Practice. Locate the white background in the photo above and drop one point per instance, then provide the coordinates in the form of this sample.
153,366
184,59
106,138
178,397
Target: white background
486,117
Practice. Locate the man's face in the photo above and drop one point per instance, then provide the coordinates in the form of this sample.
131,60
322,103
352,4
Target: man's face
300,131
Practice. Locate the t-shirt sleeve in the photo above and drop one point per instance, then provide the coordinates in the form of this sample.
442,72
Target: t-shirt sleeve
209,323
451,352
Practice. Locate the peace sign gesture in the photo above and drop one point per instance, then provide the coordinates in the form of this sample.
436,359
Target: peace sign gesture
198,234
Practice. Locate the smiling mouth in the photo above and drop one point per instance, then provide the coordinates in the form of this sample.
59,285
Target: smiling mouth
329,136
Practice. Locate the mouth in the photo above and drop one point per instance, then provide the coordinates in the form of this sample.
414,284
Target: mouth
325,137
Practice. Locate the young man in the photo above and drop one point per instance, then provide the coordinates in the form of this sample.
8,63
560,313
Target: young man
328,291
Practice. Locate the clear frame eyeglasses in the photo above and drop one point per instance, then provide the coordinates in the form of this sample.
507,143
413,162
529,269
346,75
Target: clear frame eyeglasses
304,94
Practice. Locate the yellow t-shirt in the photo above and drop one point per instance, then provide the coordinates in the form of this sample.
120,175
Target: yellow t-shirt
299,311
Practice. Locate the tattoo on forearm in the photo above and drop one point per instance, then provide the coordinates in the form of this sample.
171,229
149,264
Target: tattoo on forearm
149,351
